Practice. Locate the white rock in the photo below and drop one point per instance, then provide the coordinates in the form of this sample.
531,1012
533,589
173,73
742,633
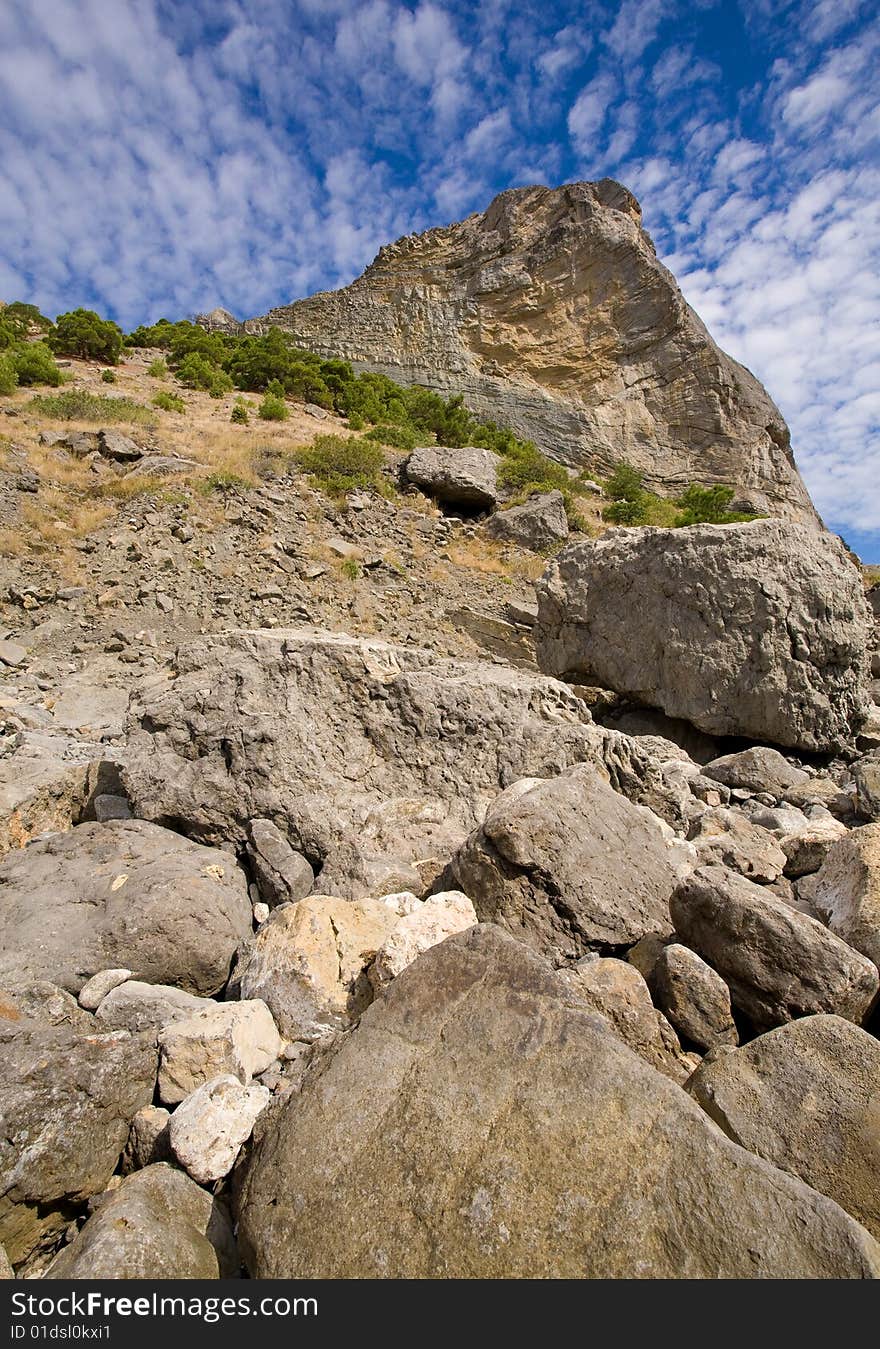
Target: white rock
208,1128
438,918
403,902
95,990
237,1038
261,913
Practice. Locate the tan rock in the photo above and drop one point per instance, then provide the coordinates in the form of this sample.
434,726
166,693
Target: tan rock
479,1123
847,890
208,1129
807,1098
418,930
238,1038
308,962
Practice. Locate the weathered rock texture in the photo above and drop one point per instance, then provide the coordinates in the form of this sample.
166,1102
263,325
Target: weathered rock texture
336,738
568,865
157,1225
123,893
481,1122
806,1097
778,964
551,313
847,892
756,629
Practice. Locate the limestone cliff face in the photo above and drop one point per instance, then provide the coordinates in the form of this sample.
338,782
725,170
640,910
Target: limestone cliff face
551,313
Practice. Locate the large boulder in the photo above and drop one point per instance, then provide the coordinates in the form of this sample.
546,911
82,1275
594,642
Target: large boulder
807,1098
847,890
778,963
137,1006
759,769
158,1224
568,865
67,1100
538,524
483,1123
755,629
208,1128
126,893
336,738
466,477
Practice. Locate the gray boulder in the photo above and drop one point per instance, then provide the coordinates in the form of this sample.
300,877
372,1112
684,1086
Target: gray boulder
847,890
807,1098
67,1100
482,1123
459,477
336,739
282,874
778,963
136,1006
567,865
725,837
694,998
759,769
126,893
538,524
158,1224
755,629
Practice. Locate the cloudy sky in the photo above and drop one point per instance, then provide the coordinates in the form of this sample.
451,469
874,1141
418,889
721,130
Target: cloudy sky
157,158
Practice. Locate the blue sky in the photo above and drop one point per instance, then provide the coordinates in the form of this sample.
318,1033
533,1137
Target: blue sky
160,158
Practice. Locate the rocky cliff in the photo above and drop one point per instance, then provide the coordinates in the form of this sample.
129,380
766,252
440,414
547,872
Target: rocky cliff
552,314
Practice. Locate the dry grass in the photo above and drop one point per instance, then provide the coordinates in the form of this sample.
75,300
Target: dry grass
12,543
482,555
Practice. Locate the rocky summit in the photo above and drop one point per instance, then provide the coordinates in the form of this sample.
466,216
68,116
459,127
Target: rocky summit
410,867
552,314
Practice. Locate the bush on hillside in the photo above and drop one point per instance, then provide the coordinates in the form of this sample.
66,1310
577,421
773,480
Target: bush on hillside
709,505
8,375
21,321
34,364
168,402
240,413
273,408
338,466
84,333
81,406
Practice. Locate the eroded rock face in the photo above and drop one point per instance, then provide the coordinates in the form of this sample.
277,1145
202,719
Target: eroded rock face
778,963
67,1099
807,1098
125,893
551,314
568,865
539,523
158,1224
535,1144
847,890
338,738
755,630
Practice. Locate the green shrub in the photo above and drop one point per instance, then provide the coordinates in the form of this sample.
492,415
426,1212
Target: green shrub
351,569
158,334
34,364
627,512
168,402
23,319
157,369
399,437
240,413
523,467
222,481
709,505
8,375
78,405
337,466
108,377
273,409
84,333
275,389
356,422
197,372
625,483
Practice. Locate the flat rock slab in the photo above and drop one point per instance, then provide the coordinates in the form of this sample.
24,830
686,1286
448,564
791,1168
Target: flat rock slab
481,1123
